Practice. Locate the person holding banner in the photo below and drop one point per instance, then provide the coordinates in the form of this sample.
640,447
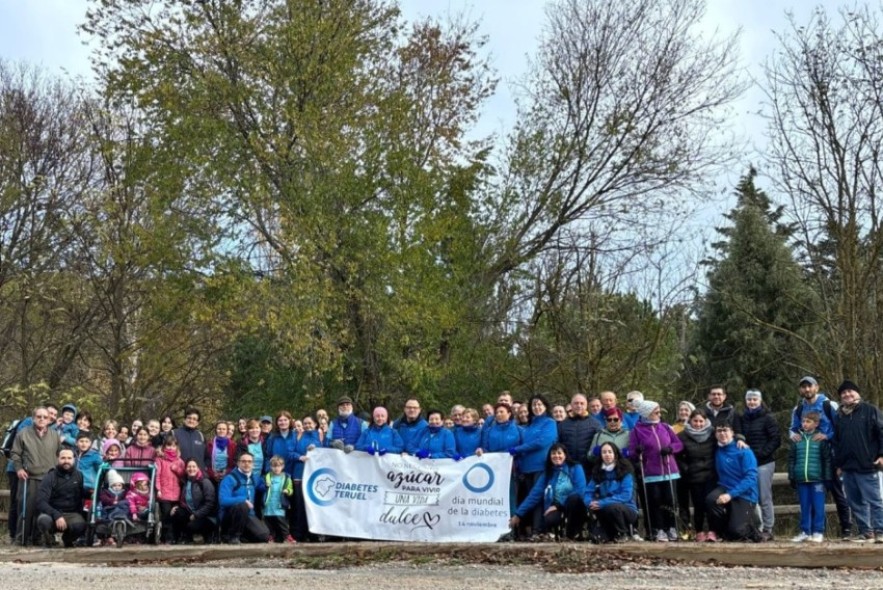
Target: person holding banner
379,437
560,487
437,441
467,436
538,437
501,434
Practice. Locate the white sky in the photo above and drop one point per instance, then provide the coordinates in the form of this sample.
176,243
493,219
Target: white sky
44,32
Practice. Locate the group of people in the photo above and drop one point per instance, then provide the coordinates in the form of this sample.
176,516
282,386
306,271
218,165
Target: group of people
580,469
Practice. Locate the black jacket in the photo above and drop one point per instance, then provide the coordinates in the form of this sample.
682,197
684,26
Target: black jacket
761,432
60,491
204,498
696,461
858,438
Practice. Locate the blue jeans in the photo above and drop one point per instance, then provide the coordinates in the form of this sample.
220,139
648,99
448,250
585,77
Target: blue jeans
863,494
812,507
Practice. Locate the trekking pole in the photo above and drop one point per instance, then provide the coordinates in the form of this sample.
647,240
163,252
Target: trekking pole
674,497
23,519
648,528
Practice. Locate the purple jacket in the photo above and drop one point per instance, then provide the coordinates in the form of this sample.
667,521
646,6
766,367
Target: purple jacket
653,437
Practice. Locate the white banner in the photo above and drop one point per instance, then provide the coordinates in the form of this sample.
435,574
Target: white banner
402,498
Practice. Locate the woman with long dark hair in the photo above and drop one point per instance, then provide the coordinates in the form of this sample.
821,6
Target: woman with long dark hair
560,488
610,494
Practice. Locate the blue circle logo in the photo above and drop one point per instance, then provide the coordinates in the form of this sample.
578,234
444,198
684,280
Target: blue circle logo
473,483
320,487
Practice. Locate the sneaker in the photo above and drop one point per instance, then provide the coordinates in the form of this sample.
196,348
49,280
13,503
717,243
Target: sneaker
846,535
766,537
800,538
290,539
878,537
270,539
864,538
710,537
701,537
637,538
817,537
672,534
661,536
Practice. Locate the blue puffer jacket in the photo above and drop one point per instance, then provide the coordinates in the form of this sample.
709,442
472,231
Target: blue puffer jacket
382,438
499,438
308,438
737,471
538,437
278,445
88,464
611,491
467,439
235,489
347,429
411,433
439,442
546,485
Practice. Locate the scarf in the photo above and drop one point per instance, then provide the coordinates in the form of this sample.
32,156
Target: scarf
434,429
700,435
849,409
609,467
221,443
170,453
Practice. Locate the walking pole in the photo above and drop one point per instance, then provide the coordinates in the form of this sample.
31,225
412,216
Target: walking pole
649,528
24,509
674,497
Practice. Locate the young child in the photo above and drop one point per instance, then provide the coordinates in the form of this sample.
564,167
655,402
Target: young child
68,429
88,461
279,491
169,472
139,496
112,451
809,467
113,501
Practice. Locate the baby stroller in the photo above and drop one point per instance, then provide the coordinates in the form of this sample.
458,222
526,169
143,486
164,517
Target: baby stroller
115,522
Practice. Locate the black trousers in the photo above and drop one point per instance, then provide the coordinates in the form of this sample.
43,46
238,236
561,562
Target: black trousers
697,494
534,519
76,526
12,479
572,514
660,505
301,529
238,523
616,520
835,486
185,528
733,521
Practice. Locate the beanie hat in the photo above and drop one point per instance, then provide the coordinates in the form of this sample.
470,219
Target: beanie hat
113,478
69,408
847,384
753,393
645,408
614,411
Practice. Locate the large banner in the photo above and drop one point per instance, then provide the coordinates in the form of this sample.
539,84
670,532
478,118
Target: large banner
402,498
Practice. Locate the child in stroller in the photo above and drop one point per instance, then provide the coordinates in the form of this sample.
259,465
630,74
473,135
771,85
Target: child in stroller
121,514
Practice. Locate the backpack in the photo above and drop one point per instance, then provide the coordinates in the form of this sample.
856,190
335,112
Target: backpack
9,437
826,407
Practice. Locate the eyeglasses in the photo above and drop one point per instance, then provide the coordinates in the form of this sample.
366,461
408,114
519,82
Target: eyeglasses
412,407
613,419
41,417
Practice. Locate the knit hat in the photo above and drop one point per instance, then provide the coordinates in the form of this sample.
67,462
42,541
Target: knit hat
614,411
753,393
645,408
69,408
847,384
114,478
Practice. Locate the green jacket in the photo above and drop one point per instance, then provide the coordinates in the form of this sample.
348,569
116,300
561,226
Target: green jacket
810,461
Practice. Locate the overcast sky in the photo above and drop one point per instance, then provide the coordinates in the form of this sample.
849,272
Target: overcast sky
44,32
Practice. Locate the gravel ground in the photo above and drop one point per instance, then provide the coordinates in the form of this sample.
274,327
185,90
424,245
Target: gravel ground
396,576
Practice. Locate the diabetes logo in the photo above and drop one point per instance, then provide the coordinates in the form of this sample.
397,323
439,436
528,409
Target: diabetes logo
320,487
479,478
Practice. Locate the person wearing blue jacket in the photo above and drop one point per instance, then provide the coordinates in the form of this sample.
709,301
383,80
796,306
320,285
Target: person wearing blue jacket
380,438
345,430
537,437
281,443
559,489
88,461
238,494
467,436
610,494
68,428
501,434
730,506
411,426
437,442
306,442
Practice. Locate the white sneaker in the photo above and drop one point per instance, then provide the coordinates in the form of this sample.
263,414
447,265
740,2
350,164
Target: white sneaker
662,536
817,537
800,538
672,534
